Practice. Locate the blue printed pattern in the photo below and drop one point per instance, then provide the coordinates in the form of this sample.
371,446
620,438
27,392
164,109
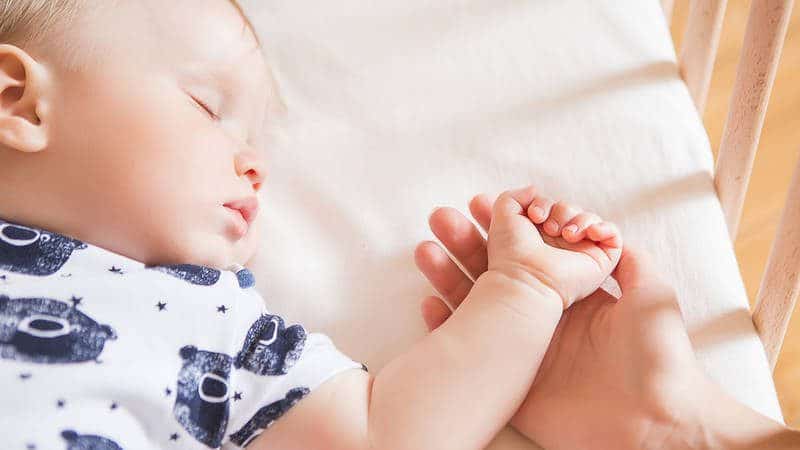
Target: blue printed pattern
266,416
47,331
246,278
202,402
32,251
201,275
270,348
77,441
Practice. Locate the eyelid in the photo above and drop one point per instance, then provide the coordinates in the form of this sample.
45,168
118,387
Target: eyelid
205,106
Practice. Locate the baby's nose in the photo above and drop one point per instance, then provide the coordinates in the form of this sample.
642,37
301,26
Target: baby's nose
248,164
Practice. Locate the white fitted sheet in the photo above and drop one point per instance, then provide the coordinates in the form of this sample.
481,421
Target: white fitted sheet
398,107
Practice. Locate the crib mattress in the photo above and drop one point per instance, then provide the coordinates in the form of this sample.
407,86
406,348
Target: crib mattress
398,107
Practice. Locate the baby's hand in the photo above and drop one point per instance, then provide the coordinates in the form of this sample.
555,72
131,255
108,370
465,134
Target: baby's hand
575,253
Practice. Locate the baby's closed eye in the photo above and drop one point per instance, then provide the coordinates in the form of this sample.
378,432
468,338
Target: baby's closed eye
204,105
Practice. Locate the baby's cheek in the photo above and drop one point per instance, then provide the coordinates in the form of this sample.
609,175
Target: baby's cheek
170,242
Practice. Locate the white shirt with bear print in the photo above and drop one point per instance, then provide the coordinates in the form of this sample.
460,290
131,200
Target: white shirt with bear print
99,351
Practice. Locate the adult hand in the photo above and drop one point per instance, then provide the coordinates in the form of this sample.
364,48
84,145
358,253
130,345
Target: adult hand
616,374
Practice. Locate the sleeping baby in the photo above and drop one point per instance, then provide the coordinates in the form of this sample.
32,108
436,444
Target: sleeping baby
132,139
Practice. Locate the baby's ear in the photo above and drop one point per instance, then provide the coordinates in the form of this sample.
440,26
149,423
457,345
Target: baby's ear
23,103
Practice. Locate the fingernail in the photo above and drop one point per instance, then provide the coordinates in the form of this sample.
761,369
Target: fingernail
538,211
571,228
552,226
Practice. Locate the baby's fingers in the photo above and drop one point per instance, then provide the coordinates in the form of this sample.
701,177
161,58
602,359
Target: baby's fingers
539,209
575,230
605,233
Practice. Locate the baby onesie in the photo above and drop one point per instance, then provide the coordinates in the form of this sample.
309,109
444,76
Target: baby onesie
99,351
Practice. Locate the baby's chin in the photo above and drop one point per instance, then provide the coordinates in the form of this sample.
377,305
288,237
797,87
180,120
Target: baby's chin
228,257
215,251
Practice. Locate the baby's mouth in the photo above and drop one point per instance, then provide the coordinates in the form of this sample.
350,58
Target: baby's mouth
244,212
247,207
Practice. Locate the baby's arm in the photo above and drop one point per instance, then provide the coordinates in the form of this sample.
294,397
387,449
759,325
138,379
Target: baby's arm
456,388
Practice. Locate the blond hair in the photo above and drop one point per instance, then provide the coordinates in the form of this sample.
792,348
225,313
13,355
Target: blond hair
27,21
24,22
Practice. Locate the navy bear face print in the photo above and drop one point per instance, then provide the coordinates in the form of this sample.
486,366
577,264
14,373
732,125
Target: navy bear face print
47,331
34,252
202,400
77,441
205,276
269,348
265,417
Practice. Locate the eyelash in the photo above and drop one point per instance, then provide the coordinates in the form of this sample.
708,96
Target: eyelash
205,107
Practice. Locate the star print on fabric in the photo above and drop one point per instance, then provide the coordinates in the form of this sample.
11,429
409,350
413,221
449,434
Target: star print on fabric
114,405
3,277
25,376
222,308
173,437
76,301
237,396
60,403
167,392
30,447
161,306
115,269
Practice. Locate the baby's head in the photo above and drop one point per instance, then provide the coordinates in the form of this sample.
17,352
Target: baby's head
129,124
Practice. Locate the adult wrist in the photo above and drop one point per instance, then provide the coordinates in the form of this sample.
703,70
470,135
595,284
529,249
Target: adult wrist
712,419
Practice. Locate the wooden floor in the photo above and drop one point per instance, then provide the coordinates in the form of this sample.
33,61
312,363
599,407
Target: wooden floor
777,156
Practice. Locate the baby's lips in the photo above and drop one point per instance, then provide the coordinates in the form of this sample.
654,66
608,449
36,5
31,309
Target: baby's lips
247,206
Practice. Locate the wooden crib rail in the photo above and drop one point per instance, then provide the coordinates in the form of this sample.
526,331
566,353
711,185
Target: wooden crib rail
699,49
767,25
755,74
668,6
780,284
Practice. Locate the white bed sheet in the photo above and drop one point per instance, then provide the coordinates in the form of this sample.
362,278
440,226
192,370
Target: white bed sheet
398,107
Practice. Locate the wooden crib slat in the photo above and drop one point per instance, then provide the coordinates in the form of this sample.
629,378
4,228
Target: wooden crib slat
780,285
699,48
668,6
755,74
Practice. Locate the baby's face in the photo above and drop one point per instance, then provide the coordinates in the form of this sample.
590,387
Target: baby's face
164,127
